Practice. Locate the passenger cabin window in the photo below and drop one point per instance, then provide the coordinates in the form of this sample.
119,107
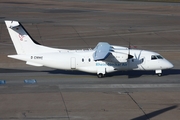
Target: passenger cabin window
89,60
82,59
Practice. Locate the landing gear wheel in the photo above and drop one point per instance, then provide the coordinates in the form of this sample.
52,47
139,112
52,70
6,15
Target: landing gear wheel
100,75
159,74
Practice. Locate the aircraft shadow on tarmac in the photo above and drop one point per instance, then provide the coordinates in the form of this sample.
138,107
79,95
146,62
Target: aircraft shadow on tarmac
138,73
155,113
130,74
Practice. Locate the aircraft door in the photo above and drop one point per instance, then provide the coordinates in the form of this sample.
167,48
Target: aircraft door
73,63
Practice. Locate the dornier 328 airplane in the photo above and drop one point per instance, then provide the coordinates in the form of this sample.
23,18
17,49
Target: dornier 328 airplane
104,58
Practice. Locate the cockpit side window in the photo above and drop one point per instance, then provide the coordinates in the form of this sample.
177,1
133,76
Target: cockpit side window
153,57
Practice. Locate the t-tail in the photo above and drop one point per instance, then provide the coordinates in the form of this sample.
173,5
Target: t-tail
25,46
23,42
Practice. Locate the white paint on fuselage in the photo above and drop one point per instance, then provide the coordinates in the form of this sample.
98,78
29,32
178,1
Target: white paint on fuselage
82,60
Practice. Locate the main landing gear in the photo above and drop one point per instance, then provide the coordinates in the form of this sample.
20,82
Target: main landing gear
100,75
101,72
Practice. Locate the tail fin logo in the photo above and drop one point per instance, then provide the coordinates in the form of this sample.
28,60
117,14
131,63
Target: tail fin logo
21,37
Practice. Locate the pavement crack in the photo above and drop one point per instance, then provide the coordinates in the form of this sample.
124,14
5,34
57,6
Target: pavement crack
80,36
24,114
65,105
138,106
39,34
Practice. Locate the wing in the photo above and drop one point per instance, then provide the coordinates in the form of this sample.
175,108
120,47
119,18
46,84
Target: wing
104,49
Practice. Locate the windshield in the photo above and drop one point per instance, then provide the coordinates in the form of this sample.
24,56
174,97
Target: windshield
154,57
159,57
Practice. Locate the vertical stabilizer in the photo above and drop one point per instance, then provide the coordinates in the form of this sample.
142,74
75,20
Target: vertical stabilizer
22,41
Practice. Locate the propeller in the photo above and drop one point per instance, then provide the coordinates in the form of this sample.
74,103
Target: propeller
129,55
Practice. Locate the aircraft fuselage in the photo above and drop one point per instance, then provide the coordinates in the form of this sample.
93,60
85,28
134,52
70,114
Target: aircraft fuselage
82,60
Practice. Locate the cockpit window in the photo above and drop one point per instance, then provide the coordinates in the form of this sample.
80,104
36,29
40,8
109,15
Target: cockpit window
153,57
159,57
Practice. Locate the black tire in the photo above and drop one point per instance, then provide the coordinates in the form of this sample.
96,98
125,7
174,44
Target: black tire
100,75
159,74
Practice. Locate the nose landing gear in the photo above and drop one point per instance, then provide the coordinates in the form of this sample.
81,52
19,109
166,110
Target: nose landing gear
159,72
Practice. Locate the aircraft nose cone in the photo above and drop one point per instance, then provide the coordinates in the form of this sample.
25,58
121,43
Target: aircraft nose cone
169,65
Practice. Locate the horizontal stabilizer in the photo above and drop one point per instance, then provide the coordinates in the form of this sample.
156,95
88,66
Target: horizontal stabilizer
25,58
19,57
12,24
34,64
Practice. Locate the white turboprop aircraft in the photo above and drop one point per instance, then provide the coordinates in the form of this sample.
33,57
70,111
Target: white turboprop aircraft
104,58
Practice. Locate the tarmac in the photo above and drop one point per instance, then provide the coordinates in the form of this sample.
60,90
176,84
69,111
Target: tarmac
73,95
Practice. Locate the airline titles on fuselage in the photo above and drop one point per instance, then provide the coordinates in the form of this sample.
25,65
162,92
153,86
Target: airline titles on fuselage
111,64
